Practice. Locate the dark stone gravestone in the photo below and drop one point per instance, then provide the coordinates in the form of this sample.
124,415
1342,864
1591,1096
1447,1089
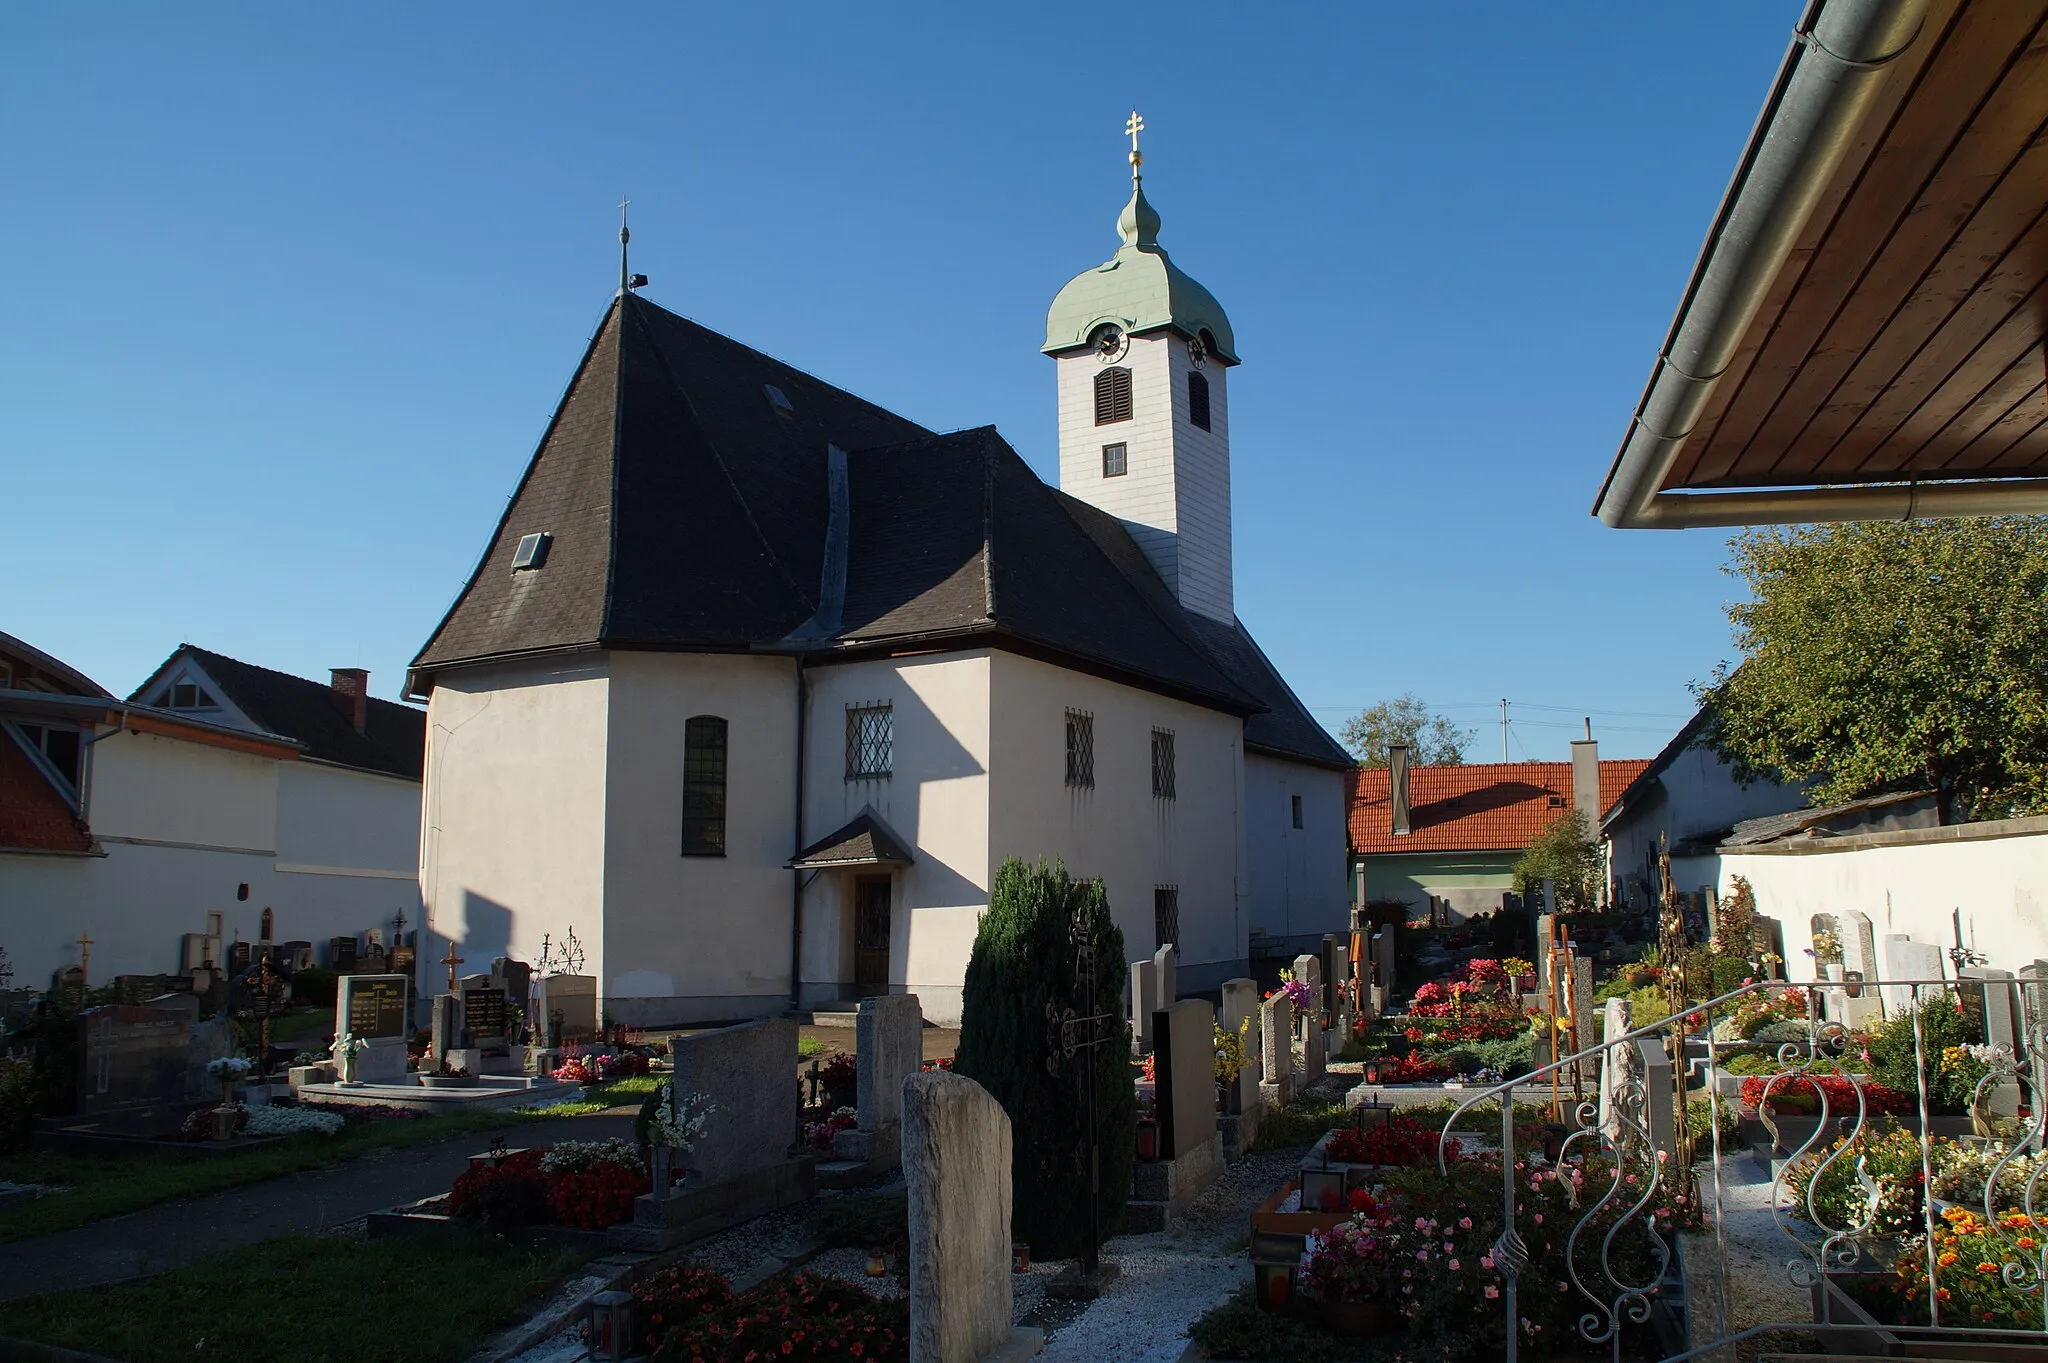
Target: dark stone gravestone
140,988
401,960
486,1013
341,954
69,983
131,1077
240,955
295,955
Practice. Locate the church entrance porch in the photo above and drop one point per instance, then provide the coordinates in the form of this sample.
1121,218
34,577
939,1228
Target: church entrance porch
871,935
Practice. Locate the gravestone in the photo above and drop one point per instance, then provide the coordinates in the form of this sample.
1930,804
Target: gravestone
295,956
211,1040
1276,1051
1906,959
1614,1022
1241,1003
1383,958
748,1073
240,956
131,1072
1186,1071
197,949
956,1169
515,977
1332,962
1309,971
2034,1021
1582,1015
1858,1005
373,960
575,998
1361,973
889,1039
1314,1051
1144,1002
341,954
375,1009
486,1014
450,1034
1995,1002
1164,962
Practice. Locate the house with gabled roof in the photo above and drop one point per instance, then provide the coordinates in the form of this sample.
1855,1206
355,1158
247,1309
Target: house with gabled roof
217,788
756,683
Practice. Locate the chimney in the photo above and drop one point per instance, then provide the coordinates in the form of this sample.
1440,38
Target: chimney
1397,786
1586,781
351,695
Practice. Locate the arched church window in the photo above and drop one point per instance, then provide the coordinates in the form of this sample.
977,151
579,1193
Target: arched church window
1112,395
704,786
1198,399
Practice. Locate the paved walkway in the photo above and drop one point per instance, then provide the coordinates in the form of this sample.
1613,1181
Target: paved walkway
173,1234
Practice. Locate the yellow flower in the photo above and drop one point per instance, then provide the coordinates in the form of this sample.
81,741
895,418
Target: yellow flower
1946,1259
2026,1242
1987,1268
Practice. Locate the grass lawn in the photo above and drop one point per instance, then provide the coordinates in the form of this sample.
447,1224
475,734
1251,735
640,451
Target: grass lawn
306,1299
100,1186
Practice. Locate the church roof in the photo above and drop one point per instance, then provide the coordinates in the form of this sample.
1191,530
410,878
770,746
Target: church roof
687,484
864,841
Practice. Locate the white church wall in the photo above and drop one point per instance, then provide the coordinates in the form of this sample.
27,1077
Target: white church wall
695,939
514,813
168,790
1911,882
1298,886
1117,829
936,798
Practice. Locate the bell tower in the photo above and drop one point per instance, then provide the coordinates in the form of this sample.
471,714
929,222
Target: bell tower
1144,414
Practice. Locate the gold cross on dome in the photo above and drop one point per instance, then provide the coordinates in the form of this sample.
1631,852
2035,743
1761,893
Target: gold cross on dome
1135,125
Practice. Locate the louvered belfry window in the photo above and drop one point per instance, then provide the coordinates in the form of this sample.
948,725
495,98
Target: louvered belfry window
704,786
1198,400
1112,395
1080,748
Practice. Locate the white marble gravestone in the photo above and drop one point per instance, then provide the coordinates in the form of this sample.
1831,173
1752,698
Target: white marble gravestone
1241,1003
1859,958
1144,1002
1276,1051
1906,959
889,1039
1164,962
956,1167
376,1010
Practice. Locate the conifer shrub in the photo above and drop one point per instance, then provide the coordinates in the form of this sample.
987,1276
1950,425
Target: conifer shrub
1022,962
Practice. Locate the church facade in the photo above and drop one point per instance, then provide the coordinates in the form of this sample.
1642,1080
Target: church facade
756,683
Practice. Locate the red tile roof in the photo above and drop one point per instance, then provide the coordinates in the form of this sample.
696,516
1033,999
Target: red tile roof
1481,807
33,816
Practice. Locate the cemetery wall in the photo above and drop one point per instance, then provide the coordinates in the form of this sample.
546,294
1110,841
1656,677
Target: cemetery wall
182,824
1910,882
335,817
1297,888
515,807
1116,829
696,939
936,798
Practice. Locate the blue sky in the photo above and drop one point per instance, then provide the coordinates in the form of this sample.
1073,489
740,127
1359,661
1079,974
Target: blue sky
290,292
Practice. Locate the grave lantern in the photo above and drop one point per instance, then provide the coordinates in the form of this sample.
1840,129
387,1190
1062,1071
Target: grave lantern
611,1327
1322,1189
1372,1072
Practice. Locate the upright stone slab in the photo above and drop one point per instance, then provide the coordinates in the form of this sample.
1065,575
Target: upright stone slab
1144,1003
573,1000
1614,1022
1583,1015
1546,927
749,1074
1164,965
451,1032
1859,1004
1241,1004
889,1039
1333,962
376,1010
1383,965
1994,989
131,1074
1314,1052
956,1167
1308,969
1186,1071
1276,1051
1906,959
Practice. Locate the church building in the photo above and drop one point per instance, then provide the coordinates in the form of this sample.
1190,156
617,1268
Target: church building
756,683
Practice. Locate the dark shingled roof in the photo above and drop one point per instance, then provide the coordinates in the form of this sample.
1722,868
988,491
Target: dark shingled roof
688,509
864,841
394,741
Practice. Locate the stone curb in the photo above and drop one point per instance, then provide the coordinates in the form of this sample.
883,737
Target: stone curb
28,1351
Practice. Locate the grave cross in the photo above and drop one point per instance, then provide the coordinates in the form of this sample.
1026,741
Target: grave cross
84,956
451,960
1072,1032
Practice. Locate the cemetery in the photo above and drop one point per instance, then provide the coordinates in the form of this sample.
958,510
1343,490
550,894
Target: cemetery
1397,1145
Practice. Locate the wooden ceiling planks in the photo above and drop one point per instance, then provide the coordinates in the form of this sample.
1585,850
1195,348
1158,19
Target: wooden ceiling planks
1893,345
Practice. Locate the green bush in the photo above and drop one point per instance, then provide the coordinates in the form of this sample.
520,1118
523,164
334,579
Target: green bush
1301,1123
18,1094
1891,1053
1512,1057
1022,965
864,1220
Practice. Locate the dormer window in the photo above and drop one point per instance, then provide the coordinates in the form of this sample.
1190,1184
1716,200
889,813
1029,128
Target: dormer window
187,695
1112,395
532,553
1198,399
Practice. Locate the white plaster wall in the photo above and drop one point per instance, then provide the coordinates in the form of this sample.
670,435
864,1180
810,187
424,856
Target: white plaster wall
1696,794
1176,494
514,812
936,799
1298,886
698,938
138,900
335,818
1117,830
1910,883
169,790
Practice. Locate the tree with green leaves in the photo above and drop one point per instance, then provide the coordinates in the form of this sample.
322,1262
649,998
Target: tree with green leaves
1022,971
1879,656
1563,852
1433,741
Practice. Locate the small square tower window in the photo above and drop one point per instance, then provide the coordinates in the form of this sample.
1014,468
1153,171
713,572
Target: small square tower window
1116,461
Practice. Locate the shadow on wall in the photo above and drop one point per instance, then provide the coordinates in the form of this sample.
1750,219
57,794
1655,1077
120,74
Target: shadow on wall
486,930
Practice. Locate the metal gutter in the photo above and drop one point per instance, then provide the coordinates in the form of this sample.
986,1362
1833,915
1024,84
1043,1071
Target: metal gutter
1841,55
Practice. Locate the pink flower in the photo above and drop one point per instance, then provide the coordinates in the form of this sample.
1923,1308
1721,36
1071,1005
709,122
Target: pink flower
1454,1265
1486,1261
1539,1218
1422,1255
1492,1292
1464,1223
1422,1223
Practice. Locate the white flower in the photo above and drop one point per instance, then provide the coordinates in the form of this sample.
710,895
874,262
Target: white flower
291,1121
580,1157
228,1067
679,1124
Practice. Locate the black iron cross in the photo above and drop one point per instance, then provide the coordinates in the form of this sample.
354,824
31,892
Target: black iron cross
1080,1031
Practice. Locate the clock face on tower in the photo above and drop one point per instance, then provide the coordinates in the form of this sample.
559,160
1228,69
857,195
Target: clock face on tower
1198,354
1110,343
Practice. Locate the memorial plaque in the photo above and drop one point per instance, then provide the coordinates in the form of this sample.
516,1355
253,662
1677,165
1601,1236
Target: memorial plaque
134,1058
485,1012
375,1005
341,954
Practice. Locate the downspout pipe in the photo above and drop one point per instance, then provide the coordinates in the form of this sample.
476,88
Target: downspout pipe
796,877
1842,52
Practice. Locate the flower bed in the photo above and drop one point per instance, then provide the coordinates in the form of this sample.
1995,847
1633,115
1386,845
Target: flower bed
692,1314
1802,1094
1398,1139
1969,1280
587,1185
